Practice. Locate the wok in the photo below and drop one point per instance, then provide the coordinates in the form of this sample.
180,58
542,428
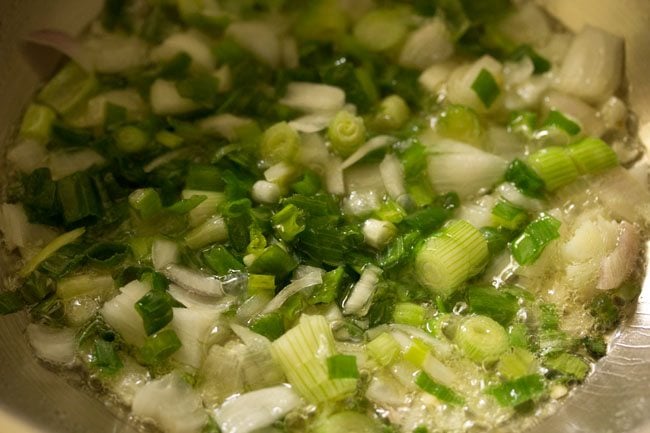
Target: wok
615,399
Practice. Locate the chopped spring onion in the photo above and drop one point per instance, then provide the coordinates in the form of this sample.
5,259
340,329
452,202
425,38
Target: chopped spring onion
68,89
393,113
310,279
155,308
554,166
592,155
481,339
346,133
384,349
302,353
260,284
561,121
536,236
159,347
212,231
56,345
265,192
427,45
486,88
461,123
37,123
313,97
377,233
371,145
525,178
497,304
146,202
50,249
342,367
441,392
131,139
450,257
280,143
506,215
84,284
381,29
164,253
409,313
221,261
518,391
347,421
194,281
273,261
106,358
288,222
516,363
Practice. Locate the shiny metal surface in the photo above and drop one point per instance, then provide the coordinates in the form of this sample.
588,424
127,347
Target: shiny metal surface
615,399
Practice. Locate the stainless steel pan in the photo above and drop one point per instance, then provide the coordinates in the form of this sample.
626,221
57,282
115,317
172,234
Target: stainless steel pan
615,399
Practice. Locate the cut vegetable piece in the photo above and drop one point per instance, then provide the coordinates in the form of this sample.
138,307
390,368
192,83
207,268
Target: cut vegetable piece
194,281
525,178
342,367
554,166
450,257
497,304
486,88
171,404
121,315
190,43
481,339
441,392
347,422
384,349
505,215
255,410
160,346
346,133
302,353
567,364
55,345
460,123
274,261
166,100
280,143
260,38
358,301
429,44
518,391
37,123
68,89
313,97
212,231
559,120
50,249
381,29
408,313
592,156
536,236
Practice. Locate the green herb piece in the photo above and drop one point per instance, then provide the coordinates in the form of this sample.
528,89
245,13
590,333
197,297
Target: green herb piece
105,357
518,391
342,367
221,261
346,133
441,392
288,222
460,123
409,313
486,88
146,202
525,178
494,303
540,64
273,261
260,284
203,177
269,325
508,216
131,139
108,254
536,236
79,199
558,120
158,347
566,364
329,290
37,123
481,339
497,239
155,308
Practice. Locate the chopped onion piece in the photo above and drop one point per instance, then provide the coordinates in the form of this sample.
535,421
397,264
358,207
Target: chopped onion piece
171,404
95,113
65,44
65,163
371,145
192,326
334,177
18,231
56,345
194,281
121,315
459,86
392,174
292,288
265,192
224,125
164,253
310,123
528,25
114,53
313,97
435,75
593,65
190,43
617,266
358,301
575,108
429,44
165,99
260,38
255,410
28,155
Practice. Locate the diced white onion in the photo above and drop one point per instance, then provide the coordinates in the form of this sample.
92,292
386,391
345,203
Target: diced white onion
429,44
310,123
18,231
371,145
528,25
255,410
447,168
358,301
617,266
258,37
392,174
385,390
165,99
122,316
265,192
131,378
378,233
190,43
56,345
623,195
28,155
171,404
334,181
313,97
194,281
224,125
510,192
280,173
479,212
309,280
95,113
192,326
459,86
163,253
65,163
593,65
435,75
613,113
114,53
